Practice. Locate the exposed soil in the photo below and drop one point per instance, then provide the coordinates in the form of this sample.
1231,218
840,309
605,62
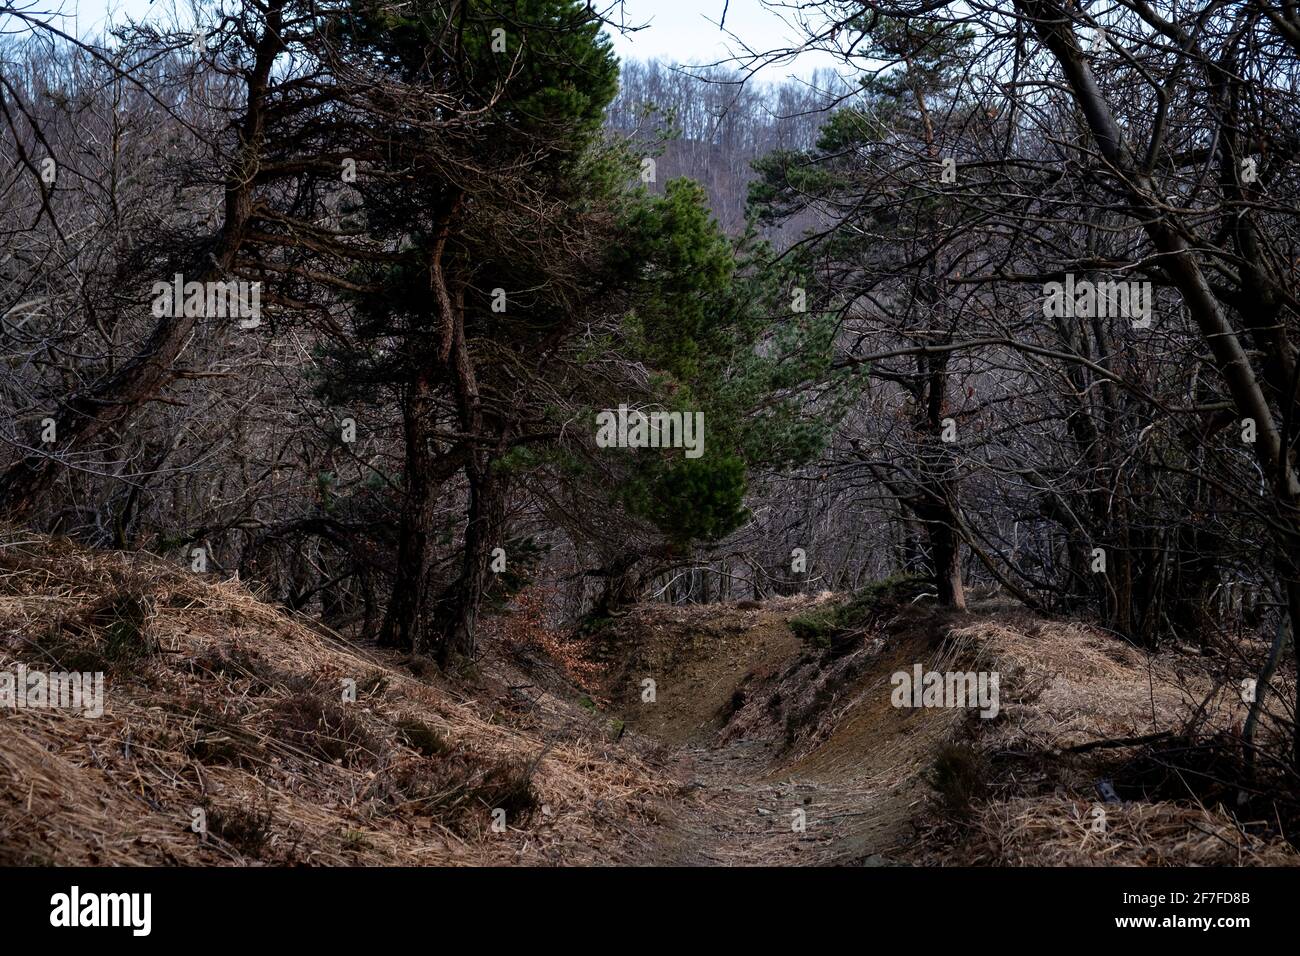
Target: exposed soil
844,795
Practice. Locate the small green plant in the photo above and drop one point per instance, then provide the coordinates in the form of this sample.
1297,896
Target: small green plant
355,840
825,626
816,626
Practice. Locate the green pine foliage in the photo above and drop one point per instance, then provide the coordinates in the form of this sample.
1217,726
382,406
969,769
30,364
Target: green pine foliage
712,318
646,287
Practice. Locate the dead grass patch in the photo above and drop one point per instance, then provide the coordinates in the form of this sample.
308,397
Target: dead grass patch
216,700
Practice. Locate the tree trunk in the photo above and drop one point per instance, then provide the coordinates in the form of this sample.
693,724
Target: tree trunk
945,551
947,567
482,534
406,623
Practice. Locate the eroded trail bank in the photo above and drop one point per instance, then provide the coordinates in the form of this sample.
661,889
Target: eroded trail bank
791,752
783,755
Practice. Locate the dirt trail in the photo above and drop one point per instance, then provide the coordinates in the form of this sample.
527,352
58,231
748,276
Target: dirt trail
749,797
742,813
791,755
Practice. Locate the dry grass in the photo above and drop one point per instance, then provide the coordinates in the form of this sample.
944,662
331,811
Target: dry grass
1064,685
217,702
1064,831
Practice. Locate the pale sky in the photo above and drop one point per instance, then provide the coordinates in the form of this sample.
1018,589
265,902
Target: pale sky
678,31
688,31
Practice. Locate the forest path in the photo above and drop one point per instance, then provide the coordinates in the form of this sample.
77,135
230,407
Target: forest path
735,813
757,732
745,798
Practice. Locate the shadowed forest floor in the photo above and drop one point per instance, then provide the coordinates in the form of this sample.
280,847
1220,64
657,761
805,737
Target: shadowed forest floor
757,748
